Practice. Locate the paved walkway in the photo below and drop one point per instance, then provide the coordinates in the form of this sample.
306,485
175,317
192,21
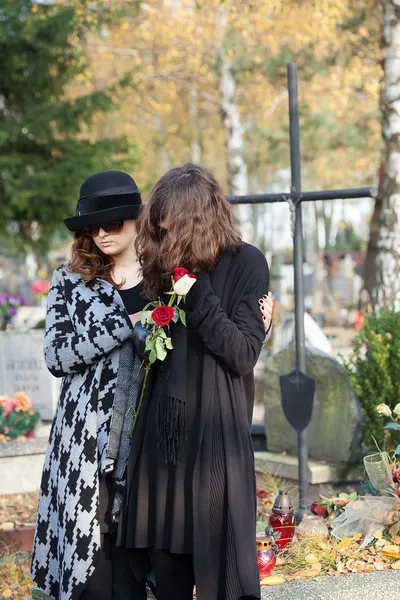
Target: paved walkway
383,585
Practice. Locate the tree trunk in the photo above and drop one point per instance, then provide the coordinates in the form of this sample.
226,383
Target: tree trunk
369,267
236,165
386,287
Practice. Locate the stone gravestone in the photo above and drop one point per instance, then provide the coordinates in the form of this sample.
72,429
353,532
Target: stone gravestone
22,369
334,434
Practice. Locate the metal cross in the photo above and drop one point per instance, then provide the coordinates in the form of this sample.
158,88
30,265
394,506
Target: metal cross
296,198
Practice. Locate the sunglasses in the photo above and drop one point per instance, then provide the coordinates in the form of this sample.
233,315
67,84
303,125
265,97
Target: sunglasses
112,227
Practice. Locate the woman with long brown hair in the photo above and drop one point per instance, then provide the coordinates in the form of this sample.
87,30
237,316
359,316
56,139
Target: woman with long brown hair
93,303
191,510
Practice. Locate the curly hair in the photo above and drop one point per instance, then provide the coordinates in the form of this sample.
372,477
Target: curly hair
198,226
89,261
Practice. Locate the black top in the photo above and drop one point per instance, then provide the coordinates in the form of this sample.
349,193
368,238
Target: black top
133,299
206,504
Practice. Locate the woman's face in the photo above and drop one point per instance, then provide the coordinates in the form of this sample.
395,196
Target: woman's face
113,244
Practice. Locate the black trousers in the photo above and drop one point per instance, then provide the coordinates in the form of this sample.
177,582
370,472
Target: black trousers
174,575
113,578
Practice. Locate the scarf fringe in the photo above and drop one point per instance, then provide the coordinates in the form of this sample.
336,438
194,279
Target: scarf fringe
171,429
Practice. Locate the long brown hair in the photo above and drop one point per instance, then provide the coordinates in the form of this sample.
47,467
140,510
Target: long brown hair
198,216
89,261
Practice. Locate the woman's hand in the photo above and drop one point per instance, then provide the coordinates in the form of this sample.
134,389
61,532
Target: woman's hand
266,305
135,318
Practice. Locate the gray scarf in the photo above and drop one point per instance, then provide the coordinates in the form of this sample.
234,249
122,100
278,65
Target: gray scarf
129,385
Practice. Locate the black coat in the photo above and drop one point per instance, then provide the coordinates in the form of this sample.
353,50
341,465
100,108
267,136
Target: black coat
223,309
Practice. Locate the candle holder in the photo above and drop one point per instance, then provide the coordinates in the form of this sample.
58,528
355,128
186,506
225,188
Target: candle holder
282,519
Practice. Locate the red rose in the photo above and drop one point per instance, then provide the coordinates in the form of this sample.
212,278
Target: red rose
179,272
396,475
163,315
317,509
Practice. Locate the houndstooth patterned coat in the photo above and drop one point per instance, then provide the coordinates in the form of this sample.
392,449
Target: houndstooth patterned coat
85,327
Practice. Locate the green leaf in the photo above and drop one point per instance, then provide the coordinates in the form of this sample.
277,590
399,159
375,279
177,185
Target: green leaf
353,496
182,315
144,317
153,356
149,343
398,449
160,349
343,496
168,344
160,332
175,318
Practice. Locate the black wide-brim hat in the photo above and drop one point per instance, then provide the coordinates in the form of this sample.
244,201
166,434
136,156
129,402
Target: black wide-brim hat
106,197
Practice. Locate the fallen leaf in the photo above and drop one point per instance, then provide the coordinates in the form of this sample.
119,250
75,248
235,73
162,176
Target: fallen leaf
272,580
7,593
7,526
378,534
396,565
379,565
396,539
391,548
323,546
341,568
310,572
381,543
311,559
391,554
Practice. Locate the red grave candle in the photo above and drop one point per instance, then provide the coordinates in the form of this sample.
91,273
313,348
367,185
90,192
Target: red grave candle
282,518
266,557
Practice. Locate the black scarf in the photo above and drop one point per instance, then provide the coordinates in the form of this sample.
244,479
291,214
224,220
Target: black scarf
171,409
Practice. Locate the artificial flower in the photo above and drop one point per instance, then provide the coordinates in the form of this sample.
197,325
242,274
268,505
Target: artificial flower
40,287
317,509
22,401
7,404
384,410
396,475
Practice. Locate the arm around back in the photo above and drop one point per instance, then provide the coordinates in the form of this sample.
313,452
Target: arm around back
69,352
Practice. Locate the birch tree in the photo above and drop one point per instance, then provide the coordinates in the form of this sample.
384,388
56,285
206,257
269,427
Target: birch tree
386,288
233,130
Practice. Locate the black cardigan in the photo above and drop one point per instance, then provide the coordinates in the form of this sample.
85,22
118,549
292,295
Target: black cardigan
223,309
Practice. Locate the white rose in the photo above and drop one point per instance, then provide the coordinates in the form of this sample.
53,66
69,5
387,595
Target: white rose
384,410
184,285
396,409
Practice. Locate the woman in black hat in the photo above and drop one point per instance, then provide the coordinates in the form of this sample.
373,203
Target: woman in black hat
93,303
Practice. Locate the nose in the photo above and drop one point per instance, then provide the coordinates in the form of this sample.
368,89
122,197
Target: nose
102,233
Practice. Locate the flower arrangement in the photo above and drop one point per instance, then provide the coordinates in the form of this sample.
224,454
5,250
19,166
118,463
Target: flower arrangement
9,305
394,425
40,288
17,417
157,318
330,508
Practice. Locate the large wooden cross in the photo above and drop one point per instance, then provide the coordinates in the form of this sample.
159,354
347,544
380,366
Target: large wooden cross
295,198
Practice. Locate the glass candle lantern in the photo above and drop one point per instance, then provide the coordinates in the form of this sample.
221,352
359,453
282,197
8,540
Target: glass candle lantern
282,518
266,557
312,526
